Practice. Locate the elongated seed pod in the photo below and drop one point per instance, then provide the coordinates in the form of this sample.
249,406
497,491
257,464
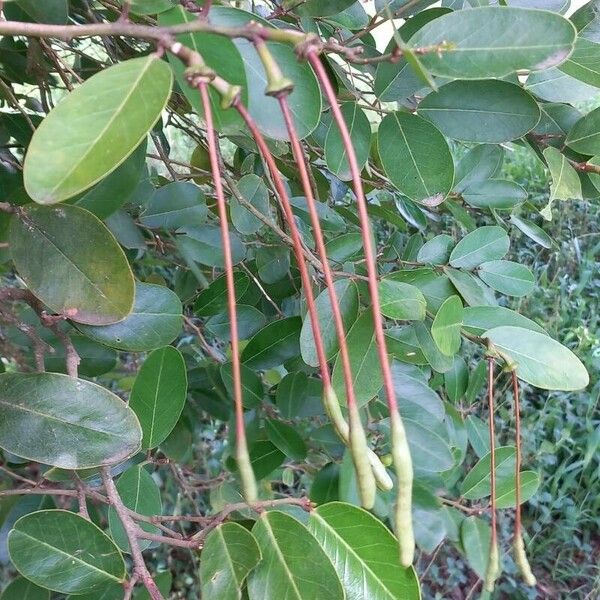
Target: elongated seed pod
247,479
404,473
493,568
334,412
358,450
521,561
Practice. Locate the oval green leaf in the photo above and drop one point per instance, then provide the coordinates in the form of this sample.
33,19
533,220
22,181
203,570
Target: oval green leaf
488,111
401,301
175,205
154,321
494,41
23,589
293,565
540,360
494,193
447,324
90,283
64,552
158,394
507,277
77,424
478,319
230,552
286,438
416,158
273,344
95,128
485,243
363,550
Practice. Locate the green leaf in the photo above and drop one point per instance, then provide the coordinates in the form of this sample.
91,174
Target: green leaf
96,359
360,134
252,387
437,250
477,430
64,552
446,326
326,484
273,263
472,289
457,378
540,360
485,243
175,205
584,63
401,301
488,111
204,245
154,321
363,550
213,299
584,137
494,193
347,295
532,231
77,424
478,319
22,589
163,581
150,7
507,277
139,493
494,41
566,184
230,552
364,361
299,396
286,438
476,484
416,158
90,133
249,321
273,344
108,195
294,566
91,282
158,394
553,85
429,451
475,538
505,489
439,362
319,8
265,457
220,54
480,163
253,190
414,395
305,99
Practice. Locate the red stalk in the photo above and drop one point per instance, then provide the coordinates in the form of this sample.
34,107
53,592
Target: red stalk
248,483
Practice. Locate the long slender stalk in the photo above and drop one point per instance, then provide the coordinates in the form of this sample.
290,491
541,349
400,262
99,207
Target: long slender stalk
520,555
379,471
400,449
493,568
242,456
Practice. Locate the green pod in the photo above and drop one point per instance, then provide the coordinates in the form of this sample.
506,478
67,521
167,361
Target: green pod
404,473
247,479
333,410
521,561
365,479
493,569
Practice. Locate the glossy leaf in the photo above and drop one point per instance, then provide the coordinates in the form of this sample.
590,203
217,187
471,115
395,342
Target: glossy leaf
252,387
249,321
476,484
473,291
65,422
401,301
90,283
347,294
321,8
484,244
488,111
480,163
532,231
360,134
456,379
565,181
273,344
553,85
150,7
203,244
139,493
213,299
416,158
475,538
585,135
55,12
494,193
439,362
253,190
154,321
158,394
584,63
364,553
507,277
230,552
505,489
64,552
286,438
293,565
446,326
23,589
478,319
95,128
96,359
437,250
429,450
175,205
540,360
494,41
366,370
